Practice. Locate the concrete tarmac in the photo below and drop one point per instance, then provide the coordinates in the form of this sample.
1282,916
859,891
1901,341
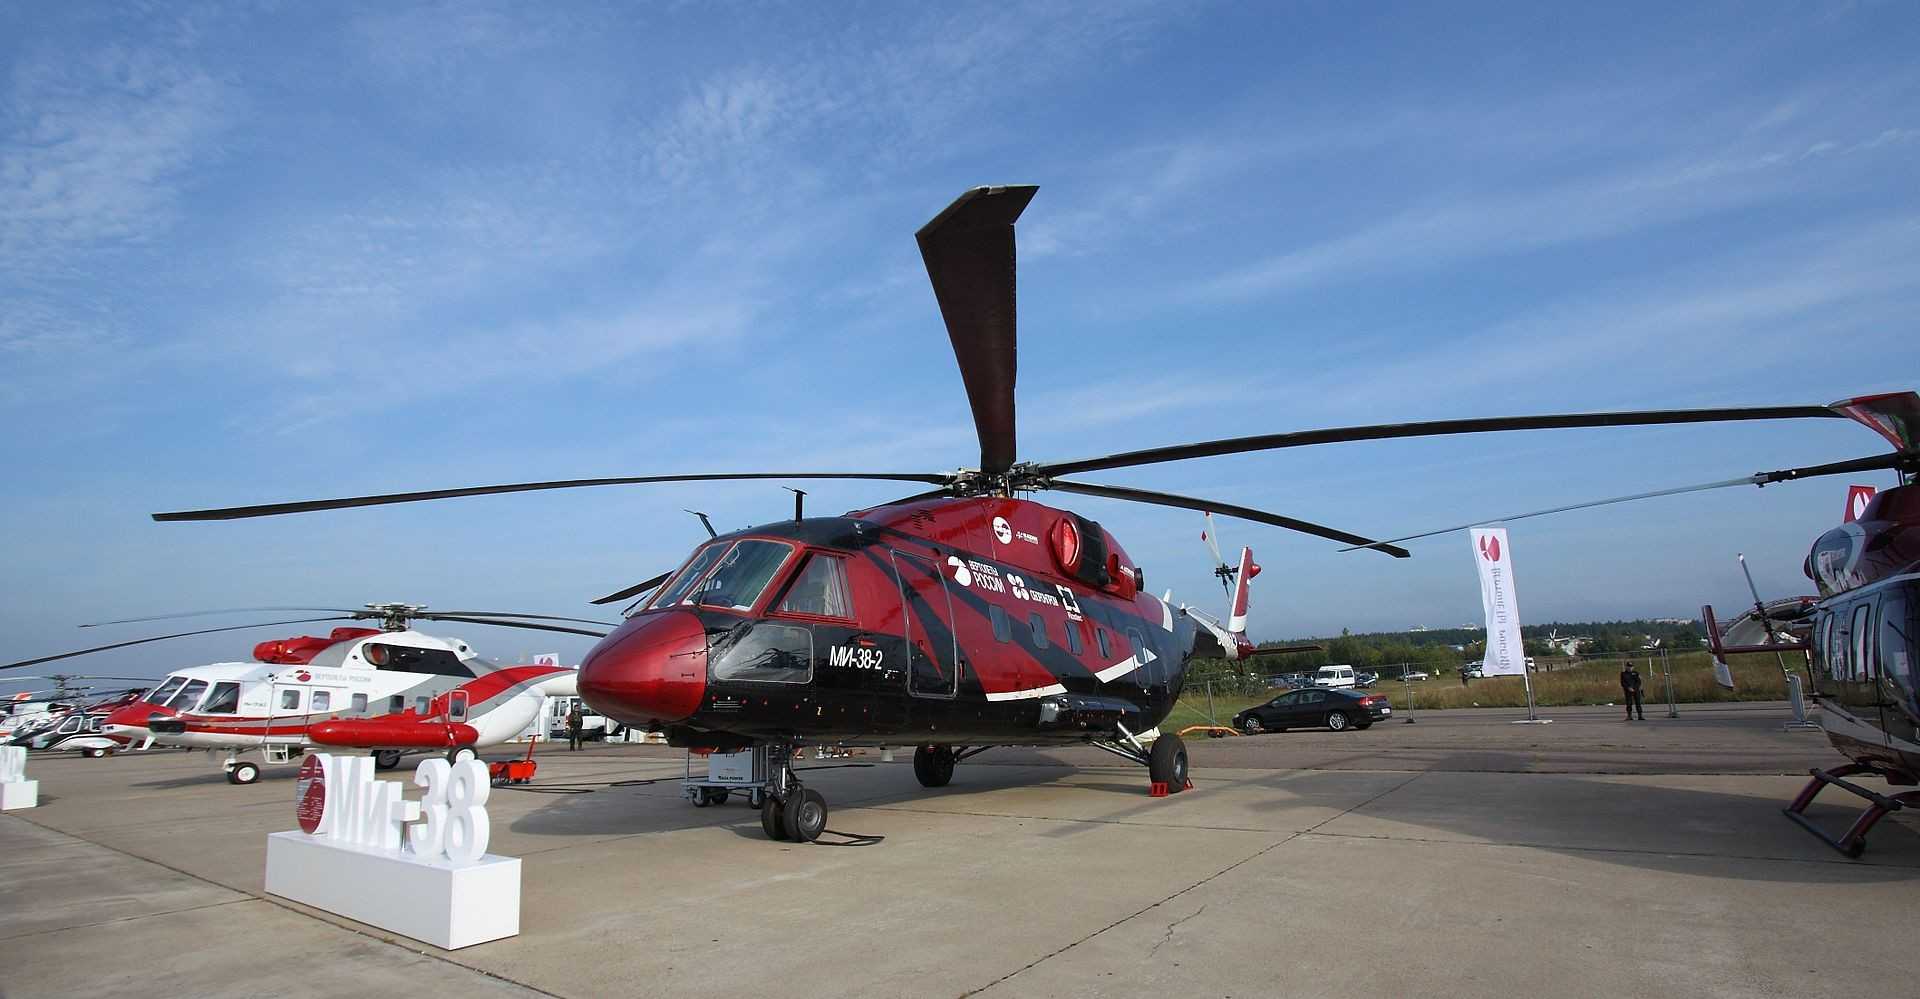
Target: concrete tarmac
1459,855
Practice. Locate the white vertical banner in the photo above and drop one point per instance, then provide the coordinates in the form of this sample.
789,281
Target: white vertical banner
1506,655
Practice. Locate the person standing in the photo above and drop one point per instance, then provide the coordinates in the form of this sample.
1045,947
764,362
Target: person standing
1630,691
575,721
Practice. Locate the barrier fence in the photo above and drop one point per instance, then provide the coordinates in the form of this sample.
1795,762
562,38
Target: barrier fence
1669,678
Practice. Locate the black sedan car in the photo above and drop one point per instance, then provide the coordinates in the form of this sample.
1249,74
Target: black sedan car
1334,708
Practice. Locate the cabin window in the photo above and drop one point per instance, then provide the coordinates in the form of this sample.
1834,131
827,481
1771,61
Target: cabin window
1074,644
397,703
188,696
1100,636
359,704
165,690
290,699
1836,647
1039,626
322,701
70,726
1862,642
225,699
1139,643
1896,645
764,651
421,704
1002,628
819,589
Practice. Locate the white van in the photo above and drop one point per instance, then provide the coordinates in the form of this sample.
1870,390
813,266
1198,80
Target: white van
1333,676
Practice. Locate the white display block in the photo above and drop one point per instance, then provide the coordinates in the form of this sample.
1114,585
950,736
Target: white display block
449,905
19,794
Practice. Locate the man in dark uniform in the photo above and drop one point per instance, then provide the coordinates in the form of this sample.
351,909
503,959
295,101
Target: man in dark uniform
574,723
1630,689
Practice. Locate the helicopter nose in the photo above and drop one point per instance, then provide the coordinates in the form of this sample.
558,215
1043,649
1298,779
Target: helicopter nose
132,719
651,670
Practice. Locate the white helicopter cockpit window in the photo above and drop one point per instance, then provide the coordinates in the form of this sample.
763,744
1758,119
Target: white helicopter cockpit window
675,590
70,726
743,574
224,700
160,694
819,589
188,696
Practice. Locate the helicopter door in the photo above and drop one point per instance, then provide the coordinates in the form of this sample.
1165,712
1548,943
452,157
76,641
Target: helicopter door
1894,646
456,706
286,705
933,657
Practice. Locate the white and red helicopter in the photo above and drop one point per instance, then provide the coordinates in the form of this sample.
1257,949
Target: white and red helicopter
390,690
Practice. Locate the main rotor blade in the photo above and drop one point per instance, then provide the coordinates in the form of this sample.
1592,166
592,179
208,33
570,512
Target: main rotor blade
519,624
436,615
634,590
227,610
1848,467
1432,428
275,509
1204,505
968,249
162,638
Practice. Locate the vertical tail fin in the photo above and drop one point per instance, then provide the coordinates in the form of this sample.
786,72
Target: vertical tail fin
1237,613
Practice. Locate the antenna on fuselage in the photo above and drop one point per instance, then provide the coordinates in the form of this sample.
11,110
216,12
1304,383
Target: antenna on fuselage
799,501
704,522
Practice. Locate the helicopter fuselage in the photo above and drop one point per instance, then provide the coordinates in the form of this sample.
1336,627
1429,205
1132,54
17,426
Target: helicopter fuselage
979,621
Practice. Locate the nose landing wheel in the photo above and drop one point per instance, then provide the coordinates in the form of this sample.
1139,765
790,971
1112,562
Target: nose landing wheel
789,810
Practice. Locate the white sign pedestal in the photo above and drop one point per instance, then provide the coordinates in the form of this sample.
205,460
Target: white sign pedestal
445,903
19,794
16,791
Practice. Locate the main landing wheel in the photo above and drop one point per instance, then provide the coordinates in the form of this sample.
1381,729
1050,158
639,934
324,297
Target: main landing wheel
386,759
461,754
243,772
806,815
773,819
933,765
1167,763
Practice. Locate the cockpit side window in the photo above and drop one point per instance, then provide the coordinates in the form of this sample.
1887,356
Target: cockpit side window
188,696
225,699
819,589
160,694
1860,660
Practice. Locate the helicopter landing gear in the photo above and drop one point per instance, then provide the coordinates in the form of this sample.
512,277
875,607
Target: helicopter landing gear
386,759
242,772
461,754
933,765
789,810
1853,842
1166,762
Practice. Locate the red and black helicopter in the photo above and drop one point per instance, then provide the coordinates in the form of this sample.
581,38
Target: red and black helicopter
962,617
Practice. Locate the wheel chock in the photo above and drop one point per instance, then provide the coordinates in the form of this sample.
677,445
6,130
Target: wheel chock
1159,789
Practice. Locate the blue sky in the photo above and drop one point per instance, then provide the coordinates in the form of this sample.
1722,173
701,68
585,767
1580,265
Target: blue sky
275,252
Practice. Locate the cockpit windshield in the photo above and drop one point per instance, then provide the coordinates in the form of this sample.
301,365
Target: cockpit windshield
725,576
165,690
743,574
675,590
188,695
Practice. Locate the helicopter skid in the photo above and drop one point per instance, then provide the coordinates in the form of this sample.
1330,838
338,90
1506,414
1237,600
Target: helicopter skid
1854,842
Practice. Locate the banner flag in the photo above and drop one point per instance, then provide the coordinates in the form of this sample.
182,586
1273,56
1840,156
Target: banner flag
1506,655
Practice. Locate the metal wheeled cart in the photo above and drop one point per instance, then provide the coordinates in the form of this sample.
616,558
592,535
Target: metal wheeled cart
727,774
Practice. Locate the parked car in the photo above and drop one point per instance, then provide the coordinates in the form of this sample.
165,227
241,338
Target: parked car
1333,676
1473,670
1414,675
1335,708
1365,679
